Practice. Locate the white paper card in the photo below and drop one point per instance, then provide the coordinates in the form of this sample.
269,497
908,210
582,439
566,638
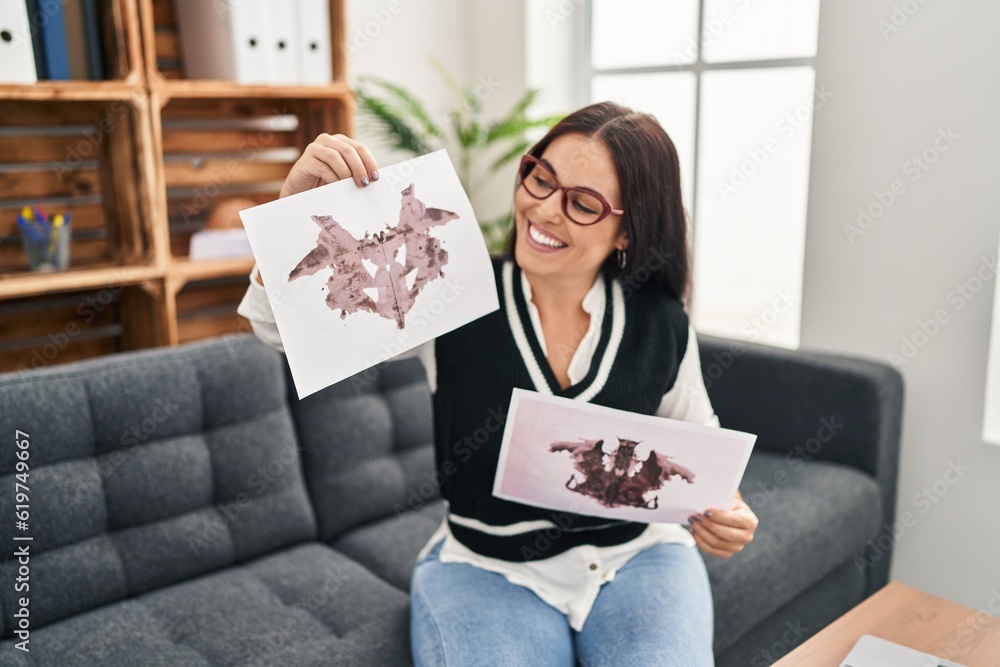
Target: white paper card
567,455
357,275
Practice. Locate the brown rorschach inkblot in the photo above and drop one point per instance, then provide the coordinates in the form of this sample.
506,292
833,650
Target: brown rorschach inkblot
337,249
629,479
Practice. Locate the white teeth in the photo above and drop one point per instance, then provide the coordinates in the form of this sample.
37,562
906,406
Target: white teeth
538,237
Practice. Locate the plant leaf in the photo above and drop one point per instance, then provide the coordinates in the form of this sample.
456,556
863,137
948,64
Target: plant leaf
515,127
408,126
515,116
495,232
516,150
521,106
399,133
466,131
407,104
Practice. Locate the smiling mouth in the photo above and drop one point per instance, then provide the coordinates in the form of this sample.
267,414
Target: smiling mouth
542,238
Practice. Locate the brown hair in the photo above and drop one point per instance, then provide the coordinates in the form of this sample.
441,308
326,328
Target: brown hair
650,185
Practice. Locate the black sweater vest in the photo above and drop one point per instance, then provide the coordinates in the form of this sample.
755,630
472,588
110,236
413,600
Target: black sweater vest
643,338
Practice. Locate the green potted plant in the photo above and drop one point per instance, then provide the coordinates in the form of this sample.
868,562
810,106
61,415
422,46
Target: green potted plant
480,148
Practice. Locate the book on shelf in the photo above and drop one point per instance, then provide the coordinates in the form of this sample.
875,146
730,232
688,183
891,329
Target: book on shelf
93,40
48,16
76,41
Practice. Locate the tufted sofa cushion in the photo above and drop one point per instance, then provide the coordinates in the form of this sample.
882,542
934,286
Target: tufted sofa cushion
367,446
149,469
304,606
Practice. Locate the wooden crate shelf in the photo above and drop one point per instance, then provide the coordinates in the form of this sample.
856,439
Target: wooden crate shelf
142,160
49,329
72,91
206,89
85,157
26,284
207,308
185,270
231,152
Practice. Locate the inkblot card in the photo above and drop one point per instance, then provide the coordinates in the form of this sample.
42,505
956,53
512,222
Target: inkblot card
568,455
357,275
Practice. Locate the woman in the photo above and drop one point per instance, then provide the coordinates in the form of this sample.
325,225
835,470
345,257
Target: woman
592,296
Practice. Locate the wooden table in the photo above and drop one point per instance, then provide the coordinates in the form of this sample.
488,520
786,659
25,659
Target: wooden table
910,617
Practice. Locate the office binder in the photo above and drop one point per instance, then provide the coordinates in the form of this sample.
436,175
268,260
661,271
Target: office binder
36,38
283,42
94,40
225,39
52,29
17,53
314,42
76,41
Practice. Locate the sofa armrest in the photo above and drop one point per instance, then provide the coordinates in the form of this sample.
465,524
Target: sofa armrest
812,405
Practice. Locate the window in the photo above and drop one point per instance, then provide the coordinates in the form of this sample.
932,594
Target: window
733,83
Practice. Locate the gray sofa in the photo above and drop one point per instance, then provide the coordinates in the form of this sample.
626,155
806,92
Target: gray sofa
187,509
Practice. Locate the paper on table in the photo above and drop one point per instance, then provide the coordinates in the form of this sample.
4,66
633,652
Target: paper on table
357,275
568,455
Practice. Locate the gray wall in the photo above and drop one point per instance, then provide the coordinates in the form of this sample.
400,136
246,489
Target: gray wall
894,90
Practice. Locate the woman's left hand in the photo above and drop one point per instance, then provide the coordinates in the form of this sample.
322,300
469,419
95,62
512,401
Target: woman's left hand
723,533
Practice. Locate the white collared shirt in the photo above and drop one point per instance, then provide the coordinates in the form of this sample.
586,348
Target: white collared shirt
569,581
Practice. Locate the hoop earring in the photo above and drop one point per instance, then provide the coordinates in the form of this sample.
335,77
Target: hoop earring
621,258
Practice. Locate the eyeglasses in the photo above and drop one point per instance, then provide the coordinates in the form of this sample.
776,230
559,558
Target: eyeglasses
582,206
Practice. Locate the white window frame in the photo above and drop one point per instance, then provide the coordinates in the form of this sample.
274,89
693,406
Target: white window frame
586,72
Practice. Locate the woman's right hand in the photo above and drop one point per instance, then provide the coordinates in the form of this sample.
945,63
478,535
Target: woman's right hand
328,159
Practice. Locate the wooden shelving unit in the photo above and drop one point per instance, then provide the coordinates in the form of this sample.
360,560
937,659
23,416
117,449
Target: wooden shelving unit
141,160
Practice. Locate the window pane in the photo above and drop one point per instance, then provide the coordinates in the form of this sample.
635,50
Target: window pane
669,97
639,33
736,30
753,178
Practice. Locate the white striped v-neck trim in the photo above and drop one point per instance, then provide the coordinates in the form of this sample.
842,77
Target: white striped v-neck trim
617,330
518,528
517,329
606,360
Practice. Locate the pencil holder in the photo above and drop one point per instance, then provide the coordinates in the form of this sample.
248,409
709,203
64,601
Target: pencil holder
48,249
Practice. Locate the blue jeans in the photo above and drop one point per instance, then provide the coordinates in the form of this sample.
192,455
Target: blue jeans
657,611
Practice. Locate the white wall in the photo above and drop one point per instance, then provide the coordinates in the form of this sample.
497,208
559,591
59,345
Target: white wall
893,93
